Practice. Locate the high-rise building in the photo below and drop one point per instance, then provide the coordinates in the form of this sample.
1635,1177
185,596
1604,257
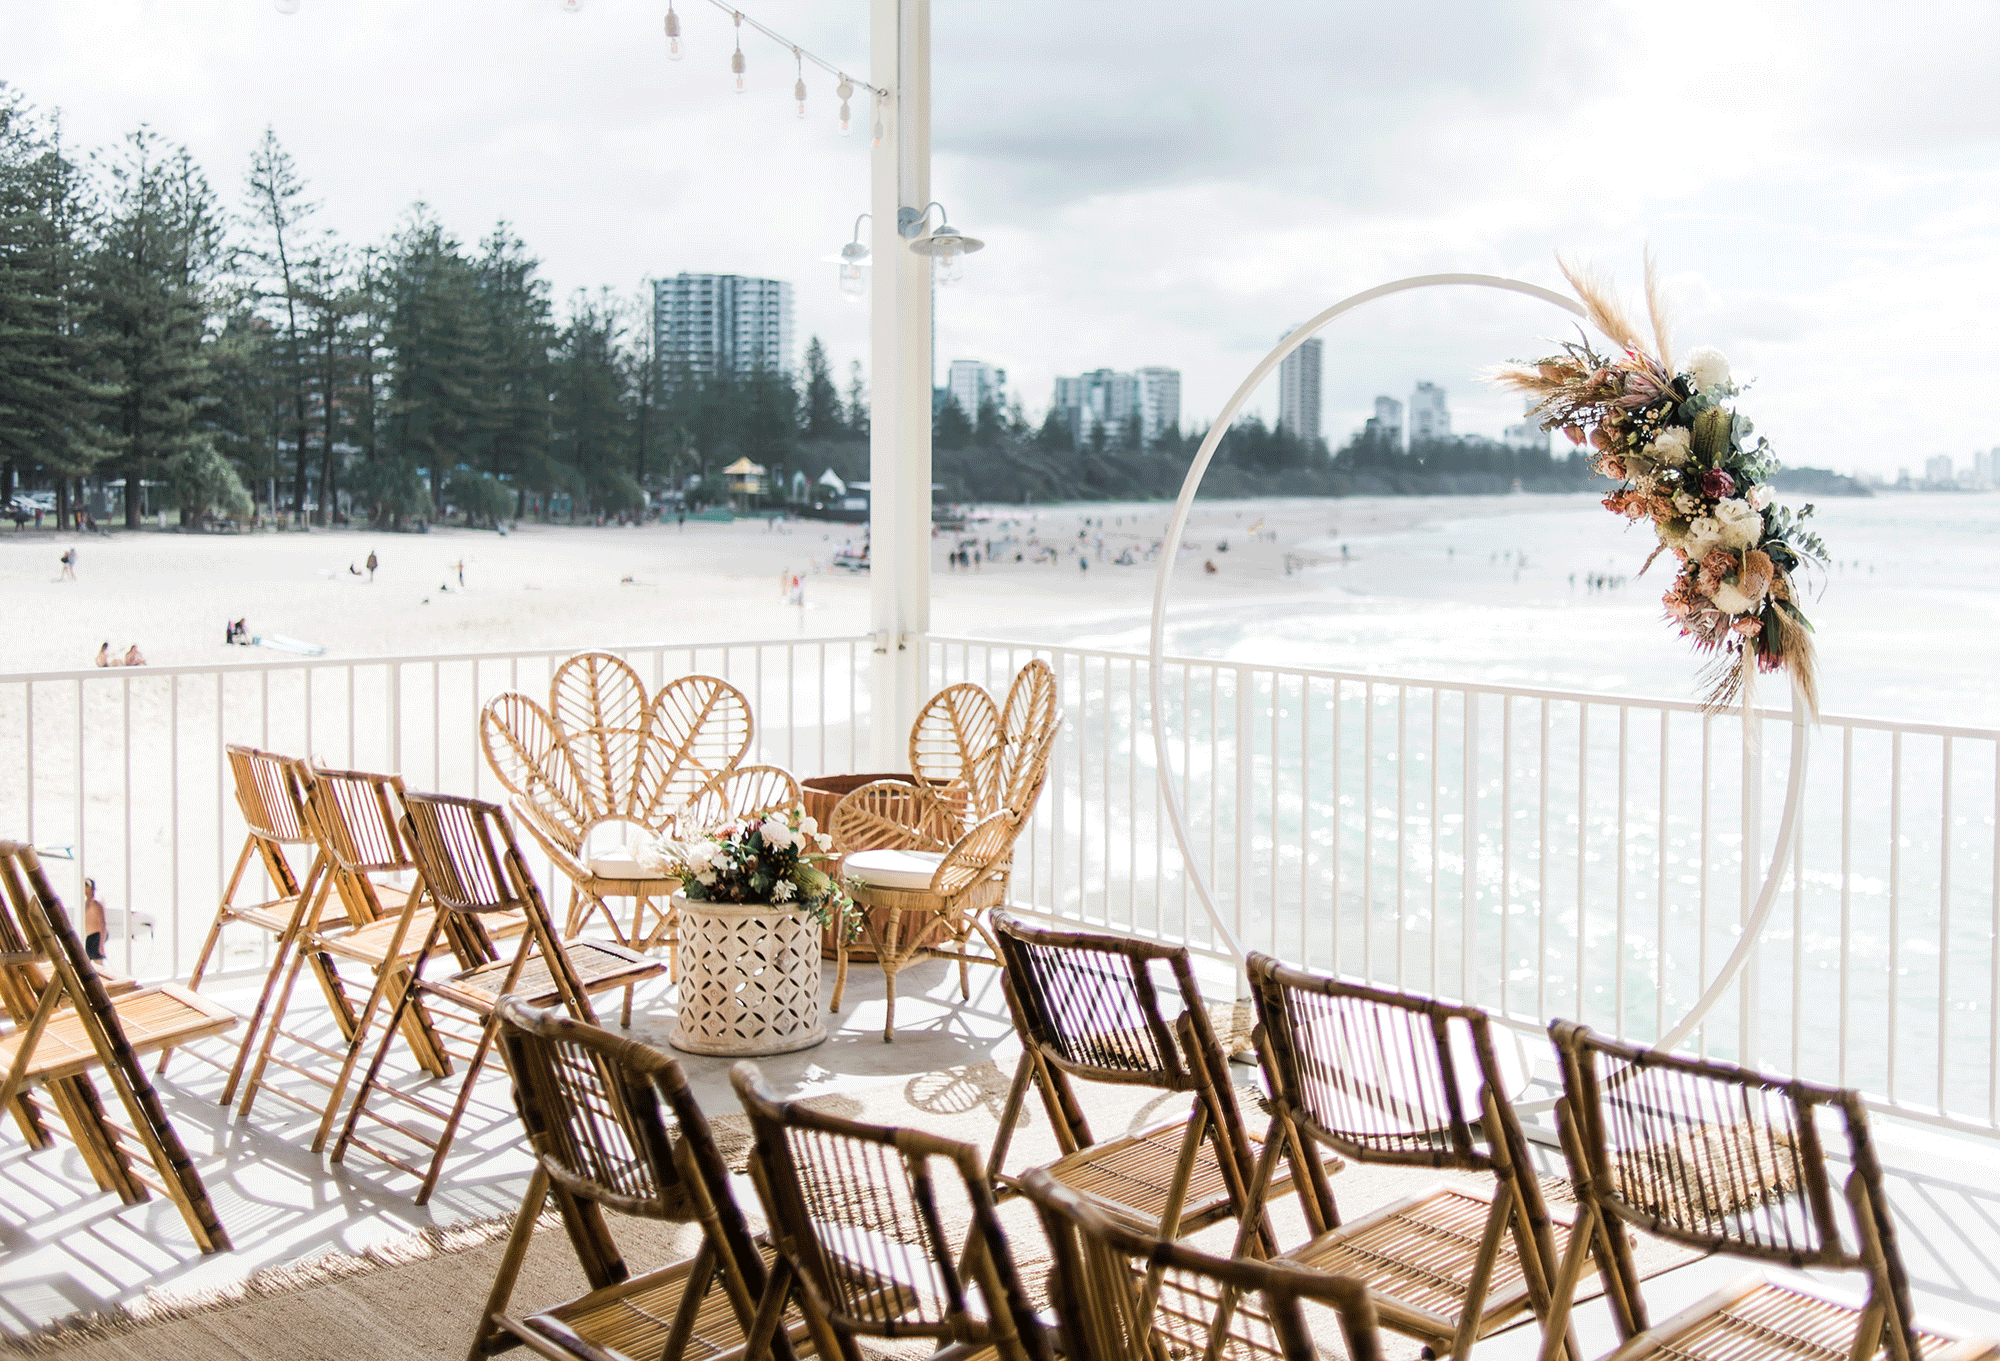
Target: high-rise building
1986,468
1101,398
1387,423
1298,392
1529,433
972,384
1159,402
1938,469
721,325
1430,417
1106,399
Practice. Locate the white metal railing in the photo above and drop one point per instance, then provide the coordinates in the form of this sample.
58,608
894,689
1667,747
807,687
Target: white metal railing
122,776
1545,853
1538,852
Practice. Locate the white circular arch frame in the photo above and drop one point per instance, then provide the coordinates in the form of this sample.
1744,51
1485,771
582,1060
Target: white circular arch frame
1753,926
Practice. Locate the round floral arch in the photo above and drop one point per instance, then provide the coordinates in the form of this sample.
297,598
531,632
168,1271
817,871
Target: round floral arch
1753,924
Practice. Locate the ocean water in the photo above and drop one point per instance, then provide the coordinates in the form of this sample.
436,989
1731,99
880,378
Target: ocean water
1907,617
1399,828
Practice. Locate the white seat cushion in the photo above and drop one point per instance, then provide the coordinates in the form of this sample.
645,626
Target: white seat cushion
894,869
613,864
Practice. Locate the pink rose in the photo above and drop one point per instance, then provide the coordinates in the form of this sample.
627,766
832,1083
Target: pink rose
1717,484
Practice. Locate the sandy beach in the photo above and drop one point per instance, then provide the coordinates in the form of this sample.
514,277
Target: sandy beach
1531,590
173,594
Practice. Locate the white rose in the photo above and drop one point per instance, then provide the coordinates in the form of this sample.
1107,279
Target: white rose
1730,600
1708,366
1704,533
1741,525
1670,447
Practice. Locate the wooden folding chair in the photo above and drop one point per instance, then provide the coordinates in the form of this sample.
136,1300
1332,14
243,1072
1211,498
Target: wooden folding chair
353,816
1090,1007
856,1215
1727,1160
1390,1078
269,793
615,1127
471,868
1121,1295
67,1027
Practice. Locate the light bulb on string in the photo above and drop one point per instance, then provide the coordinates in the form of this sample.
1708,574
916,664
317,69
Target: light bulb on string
285,6
845,90
674,52
571,6
878,120
799,86
736,60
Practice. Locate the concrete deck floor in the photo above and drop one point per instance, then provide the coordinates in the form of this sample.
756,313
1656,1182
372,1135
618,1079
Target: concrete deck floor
66,1248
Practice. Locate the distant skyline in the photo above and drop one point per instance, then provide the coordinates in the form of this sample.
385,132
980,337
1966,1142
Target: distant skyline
1174,183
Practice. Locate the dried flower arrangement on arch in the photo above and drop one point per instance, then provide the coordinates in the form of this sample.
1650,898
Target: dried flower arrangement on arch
1684,459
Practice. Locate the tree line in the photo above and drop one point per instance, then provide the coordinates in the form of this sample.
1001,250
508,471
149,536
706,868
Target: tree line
224,354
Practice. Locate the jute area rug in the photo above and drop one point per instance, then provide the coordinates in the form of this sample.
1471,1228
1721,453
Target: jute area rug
420,1297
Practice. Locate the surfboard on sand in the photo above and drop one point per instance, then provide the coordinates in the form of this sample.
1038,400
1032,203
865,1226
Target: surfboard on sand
284,644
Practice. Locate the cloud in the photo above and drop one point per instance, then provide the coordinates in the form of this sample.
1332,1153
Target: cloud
1175,183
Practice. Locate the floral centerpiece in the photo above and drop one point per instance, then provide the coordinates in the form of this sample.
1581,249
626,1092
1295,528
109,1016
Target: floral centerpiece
768,859
1684,461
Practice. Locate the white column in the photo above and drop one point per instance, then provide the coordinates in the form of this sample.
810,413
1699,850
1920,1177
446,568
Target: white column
899,452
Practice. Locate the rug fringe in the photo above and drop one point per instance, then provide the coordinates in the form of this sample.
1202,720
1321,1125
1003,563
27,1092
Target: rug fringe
173,1306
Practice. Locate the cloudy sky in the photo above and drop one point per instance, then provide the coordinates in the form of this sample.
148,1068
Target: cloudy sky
1177,183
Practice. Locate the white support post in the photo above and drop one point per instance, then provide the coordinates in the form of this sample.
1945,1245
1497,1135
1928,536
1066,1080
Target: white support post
899,451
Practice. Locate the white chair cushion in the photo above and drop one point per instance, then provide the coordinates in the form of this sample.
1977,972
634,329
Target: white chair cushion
612,864
894,869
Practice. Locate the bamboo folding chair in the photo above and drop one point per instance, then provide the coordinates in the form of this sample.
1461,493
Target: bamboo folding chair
1089,1007
471,868
1121,1295
1724,1159
353,815
272,800
856,1216
615,1127
65,1026
1386,1077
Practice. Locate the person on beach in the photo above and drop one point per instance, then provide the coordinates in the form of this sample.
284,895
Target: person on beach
371,566
133,657
104,657
93,922
68,565
460,566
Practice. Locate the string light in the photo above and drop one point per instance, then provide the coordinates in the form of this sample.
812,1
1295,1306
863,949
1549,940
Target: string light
572,6
285,6
800,56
